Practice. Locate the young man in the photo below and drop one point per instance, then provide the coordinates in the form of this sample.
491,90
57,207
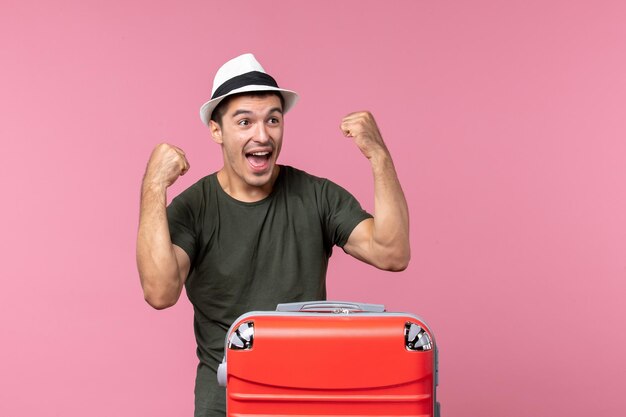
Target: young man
255,233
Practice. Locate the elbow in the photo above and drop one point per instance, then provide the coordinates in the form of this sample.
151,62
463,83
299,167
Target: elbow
399,259
159,303
159,297
395,261
398,265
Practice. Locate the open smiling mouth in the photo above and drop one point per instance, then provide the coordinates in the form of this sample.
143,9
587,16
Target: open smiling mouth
259,159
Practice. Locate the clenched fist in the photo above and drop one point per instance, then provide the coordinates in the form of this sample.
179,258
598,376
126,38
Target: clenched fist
166,164
362,128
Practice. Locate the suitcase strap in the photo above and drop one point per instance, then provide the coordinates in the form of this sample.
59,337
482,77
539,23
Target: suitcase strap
336,307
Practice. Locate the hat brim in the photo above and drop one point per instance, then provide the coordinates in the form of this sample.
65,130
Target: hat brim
290,97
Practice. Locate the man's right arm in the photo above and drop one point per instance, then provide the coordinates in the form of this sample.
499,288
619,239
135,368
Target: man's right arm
163,266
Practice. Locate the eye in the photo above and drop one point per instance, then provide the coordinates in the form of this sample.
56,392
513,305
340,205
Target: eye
273,120
243,122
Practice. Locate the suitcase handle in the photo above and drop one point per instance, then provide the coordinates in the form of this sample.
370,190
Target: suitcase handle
337,307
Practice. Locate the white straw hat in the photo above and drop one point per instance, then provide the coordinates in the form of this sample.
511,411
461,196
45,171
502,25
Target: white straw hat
239,75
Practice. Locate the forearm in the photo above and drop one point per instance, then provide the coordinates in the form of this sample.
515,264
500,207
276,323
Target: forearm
158,267
390,235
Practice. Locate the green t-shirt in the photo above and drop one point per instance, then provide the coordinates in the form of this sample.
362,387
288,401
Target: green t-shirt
252,256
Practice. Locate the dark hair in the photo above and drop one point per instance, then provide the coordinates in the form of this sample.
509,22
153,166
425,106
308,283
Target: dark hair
218,112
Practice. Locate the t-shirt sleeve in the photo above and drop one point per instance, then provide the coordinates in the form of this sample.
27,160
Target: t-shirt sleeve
342,213
181,221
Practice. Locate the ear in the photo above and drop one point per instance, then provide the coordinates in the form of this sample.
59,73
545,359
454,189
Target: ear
216,132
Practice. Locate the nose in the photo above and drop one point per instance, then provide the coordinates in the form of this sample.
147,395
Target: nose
262,135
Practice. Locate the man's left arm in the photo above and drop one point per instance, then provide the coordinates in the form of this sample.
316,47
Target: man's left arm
384,240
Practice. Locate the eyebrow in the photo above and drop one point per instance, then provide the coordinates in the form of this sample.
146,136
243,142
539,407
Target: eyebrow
243,111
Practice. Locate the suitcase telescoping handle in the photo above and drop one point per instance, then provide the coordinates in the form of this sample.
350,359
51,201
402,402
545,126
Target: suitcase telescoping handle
337,307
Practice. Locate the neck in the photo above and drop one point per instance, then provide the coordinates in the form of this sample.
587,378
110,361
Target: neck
242,191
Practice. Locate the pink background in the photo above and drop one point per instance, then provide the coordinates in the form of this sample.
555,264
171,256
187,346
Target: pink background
507,123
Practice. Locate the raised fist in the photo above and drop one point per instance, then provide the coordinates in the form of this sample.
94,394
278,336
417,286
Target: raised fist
362,128
167,162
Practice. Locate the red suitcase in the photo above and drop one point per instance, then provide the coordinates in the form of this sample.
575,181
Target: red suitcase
330,359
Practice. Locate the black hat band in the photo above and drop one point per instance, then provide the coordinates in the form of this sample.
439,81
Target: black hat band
249,78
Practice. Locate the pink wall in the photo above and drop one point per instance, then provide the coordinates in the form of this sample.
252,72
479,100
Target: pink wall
507,124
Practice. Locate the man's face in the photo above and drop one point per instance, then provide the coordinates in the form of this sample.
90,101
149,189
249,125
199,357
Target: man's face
251,135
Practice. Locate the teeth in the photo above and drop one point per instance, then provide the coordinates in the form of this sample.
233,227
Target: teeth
260,153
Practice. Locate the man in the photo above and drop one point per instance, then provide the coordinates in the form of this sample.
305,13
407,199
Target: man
256,233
